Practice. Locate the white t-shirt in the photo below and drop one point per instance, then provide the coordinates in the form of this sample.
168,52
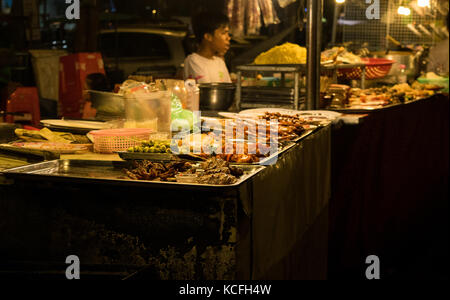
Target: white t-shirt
205,70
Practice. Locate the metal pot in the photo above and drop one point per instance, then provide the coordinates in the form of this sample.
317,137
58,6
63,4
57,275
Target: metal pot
216,96
7,132
106,103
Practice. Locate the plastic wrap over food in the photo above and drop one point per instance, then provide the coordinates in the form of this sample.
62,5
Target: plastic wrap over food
253,18
284,3
268,11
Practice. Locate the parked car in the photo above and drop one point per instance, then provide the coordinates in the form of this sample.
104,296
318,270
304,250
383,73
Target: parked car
143,50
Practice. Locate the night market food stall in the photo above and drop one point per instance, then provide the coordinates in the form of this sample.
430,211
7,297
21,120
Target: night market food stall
319,163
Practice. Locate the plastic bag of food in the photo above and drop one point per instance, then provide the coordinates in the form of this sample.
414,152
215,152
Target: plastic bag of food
132,86
183,120
193,95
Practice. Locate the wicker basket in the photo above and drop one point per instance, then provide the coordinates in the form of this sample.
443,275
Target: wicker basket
375,68
113,140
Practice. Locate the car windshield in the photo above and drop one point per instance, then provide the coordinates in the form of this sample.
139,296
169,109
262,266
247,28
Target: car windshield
131,44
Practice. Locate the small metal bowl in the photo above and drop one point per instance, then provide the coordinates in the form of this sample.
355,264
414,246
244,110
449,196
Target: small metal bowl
216,96
186,178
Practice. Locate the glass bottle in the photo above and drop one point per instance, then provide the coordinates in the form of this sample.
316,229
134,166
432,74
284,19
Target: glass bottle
402,77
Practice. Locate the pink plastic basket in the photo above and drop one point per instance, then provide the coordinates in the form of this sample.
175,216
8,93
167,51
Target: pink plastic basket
375,68
113,140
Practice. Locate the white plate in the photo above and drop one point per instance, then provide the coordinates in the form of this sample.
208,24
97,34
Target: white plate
331,115
229,115
77,124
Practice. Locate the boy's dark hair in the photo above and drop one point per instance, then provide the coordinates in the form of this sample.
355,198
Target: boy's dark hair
208,22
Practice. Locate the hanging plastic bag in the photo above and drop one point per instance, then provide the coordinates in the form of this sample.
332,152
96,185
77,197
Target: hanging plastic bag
230,5
253,12
238,18
284,3
268,11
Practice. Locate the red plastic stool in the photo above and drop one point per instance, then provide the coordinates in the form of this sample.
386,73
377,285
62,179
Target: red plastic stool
24,100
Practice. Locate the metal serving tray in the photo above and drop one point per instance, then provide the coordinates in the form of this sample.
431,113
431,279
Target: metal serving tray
272,159
266,161
305,134
294,67
105,172
171,157
148,156
363,110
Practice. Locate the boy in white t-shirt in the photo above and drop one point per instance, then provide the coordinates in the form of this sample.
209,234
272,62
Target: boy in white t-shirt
206,64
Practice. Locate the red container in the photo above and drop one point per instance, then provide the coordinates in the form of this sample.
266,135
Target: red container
375,68
73,70
24,100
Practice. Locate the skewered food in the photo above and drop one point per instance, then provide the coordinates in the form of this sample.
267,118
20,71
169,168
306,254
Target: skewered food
288,125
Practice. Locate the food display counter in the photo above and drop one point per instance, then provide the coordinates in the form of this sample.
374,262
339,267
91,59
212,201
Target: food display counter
334,194
251,229
303,162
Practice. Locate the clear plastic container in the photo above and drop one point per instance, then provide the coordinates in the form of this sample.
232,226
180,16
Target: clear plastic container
402,77
150,110
193,95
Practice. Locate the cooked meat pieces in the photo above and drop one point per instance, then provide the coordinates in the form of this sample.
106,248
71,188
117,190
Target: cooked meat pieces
235,171
218,178
287,124
214,163
215,171
147,170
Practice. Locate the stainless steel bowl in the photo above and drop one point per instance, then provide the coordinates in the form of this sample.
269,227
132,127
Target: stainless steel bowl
106,103
216,96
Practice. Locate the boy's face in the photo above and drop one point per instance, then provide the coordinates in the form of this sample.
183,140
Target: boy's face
220,41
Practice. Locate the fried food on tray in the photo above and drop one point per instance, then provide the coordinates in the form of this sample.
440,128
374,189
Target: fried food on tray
218,171
147,170
212,171
387,95
288,125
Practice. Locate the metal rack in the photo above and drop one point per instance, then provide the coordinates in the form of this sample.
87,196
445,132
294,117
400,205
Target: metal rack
283,69
287,96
